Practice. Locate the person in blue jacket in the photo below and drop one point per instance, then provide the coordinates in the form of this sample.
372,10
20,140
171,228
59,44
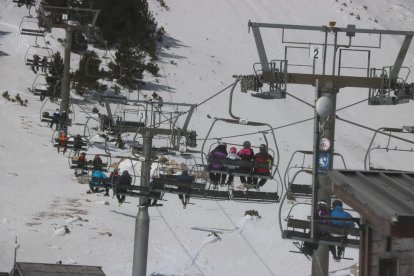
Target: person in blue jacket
99,179
346,221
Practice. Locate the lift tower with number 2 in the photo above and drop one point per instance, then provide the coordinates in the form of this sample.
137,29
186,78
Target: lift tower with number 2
387,86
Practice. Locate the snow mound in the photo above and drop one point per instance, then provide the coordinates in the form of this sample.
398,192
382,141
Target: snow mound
61,231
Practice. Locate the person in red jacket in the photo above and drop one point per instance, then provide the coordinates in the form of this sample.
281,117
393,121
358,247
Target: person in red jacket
262,163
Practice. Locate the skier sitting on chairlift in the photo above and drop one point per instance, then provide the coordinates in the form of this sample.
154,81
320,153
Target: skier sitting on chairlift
124,179
35,66
265,159
114,176
246,154
81,164
98,179
55,118
322,211
77,144
62,142
219,152
184,178
338,212
119,142
44,64
232,156
97,162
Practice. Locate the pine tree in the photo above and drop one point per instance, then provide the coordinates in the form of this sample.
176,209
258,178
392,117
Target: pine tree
55,75
85,78
128,67
136,27
127,26
79,42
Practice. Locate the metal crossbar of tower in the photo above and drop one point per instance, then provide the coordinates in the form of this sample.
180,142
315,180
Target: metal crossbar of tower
148,117
327,85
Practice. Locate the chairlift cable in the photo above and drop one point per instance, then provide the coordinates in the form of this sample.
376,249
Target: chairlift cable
252,133
179,241
206,100
287,125
87,113
197,105
300,100
246,240
374,130
221,91
350,105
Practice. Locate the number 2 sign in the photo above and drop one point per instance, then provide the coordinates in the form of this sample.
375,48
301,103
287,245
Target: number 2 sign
315,52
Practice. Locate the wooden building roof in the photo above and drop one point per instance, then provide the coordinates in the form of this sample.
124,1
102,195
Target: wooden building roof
384,198
39,269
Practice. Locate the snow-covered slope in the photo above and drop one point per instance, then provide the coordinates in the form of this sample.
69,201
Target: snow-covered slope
207,42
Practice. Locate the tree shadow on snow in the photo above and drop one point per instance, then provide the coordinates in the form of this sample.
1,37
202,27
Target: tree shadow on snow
124,214
167,44
2,34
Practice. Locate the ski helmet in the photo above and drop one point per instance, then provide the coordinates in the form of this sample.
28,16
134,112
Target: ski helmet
246,144
337,202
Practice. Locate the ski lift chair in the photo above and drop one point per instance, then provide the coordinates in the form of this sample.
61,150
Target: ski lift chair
42,52
52,92
24,2
275,80
122,126
324,233
388,147
46,112
393,91
172,184
132,190
294,189
40,89
98,185
46,115
231,168
29,25
300,171
166,175
55,140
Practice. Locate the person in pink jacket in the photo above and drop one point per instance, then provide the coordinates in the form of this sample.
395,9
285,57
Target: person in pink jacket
246,154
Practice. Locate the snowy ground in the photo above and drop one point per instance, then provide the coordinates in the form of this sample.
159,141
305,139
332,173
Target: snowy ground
207,43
